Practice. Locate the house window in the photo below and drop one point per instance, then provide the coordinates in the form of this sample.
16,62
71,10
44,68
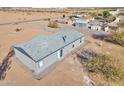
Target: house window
73,46
40,64
80,40
60,53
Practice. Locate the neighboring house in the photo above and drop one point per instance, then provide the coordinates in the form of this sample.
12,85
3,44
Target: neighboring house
41,53
106,29
85,17
114,13
98,26
79,16
80,22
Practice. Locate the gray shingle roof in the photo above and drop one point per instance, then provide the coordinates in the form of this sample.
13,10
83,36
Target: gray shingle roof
42,45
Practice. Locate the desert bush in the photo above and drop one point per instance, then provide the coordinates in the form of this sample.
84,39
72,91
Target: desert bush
122,13
111,18
18,29
105,15
94,14
99,14
53,24
107,66
70,17
49,19
63,15
121,24
117,38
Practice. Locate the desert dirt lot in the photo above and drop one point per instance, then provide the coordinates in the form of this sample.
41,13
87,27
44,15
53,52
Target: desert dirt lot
65,74
68,72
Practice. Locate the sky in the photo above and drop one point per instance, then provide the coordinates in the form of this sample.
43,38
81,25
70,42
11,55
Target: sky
61,3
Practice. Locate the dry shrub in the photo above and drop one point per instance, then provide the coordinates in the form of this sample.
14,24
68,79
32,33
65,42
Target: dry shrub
18,29
53,24
117,38
107,66
121,24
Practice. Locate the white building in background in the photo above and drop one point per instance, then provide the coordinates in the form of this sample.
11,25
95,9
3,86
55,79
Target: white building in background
80,22
114,13
95,27
98,26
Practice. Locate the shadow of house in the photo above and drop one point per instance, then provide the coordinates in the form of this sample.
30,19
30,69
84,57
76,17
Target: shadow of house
6,64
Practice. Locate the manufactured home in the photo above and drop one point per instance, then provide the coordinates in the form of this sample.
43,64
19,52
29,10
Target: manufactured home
80,22
39,54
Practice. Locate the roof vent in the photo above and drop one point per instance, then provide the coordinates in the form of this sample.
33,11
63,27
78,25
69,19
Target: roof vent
64,38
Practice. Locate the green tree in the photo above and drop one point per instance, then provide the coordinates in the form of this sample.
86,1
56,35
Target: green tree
105,14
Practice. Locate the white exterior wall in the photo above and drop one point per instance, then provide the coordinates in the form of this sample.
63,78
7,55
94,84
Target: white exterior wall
25,60
48,61
69,48
96,28
106,29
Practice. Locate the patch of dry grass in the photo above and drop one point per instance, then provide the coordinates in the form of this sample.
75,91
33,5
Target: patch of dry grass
121,24
106,68
53,24
117,38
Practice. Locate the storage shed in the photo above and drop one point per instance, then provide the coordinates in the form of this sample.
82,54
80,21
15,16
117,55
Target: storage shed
41,53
